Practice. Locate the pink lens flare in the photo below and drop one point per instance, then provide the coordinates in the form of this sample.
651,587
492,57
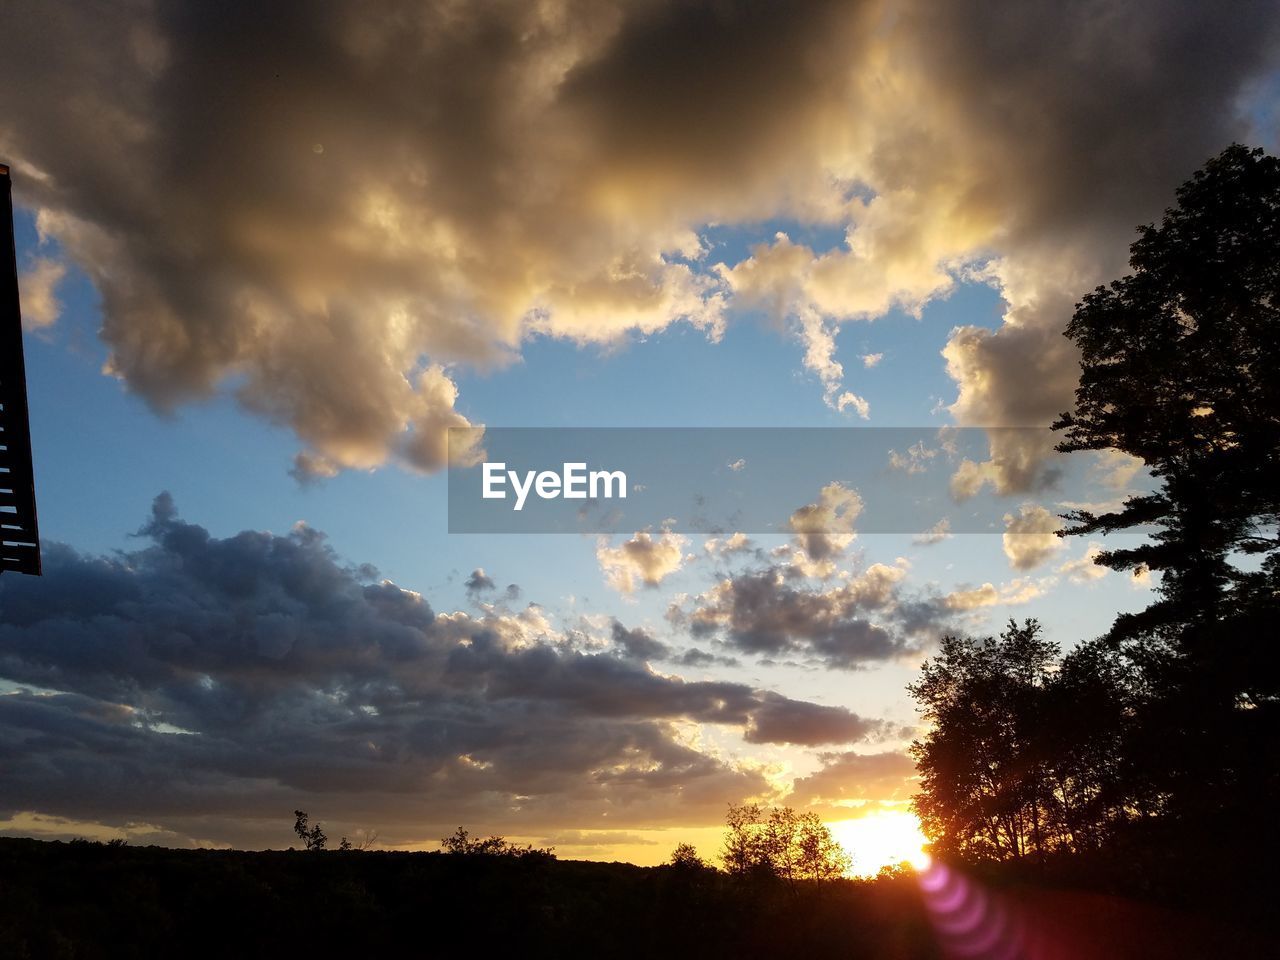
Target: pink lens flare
970,922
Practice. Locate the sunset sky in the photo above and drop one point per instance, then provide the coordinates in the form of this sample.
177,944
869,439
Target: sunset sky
269,257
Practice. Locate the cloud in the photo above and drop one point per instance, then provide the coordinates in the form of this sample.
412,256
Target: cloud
915,460
37,285
823,529
936,534
999,376
1020,461
195,682
1030,537
1116,469
855,778
694,657
738,465
25,823
479,585
870,360
330,211
859,404
643,560
1076,198
311,468
860,620
808,724
863,280
638,644
593,838
479,582
1018,591
1085,568
735,543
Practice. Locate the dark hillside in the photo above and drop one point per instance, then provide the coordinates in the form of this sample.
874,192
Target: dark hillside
87,900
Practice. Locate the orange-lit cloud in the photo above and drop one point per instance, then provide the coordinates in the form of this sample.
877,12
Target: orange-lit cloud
335,208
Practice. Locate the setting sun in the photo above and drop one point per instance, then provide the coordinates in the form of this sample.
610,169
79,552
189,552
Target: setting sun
882,840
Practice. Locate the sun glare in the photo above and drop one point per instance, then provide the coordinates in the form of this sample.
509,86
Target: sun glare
881,840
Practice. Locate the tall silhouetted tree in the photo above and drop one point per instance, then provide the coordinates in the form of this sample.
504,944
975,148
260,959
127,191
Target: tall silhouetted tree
1179,368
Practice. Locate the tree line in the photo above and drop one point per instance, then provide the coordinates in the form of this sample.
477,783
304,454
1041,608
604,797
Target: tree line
1162,733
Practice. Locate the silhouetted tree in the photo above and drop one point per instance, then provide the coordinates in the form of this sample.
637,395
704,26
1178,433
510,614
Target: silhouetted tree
1086,717
1179,364
1169,725
781,844
685,857
743,852
462,843
312,837
1008,769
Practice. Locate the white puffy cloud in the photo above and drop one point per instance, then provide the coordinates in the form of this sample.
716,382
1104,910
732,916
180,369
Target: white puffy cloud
1085,569
1116,469
1030,536
851,401
735,543
1022,590
36,285
823,529
643,560
936,534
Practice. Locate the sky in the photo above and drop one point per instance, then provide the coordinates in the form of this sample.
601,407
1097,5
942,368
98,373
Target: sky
270,257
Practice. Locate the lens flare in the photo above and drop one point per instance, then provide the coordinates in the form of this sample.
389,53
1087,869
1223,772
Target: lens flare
970,922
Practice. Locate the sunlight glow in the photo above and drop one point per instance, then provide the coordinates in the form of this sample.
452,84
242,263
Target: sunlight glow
882,839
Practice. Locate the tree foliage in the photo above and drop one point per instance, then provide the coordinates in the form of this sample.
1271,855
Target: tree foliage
685,857
1178,368
461,843
781,844
1179,364
1010,766
1169,725
312,837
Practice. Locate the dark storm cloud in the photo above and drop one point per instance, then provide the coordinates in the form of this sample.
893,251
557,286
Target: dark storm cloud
198,680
